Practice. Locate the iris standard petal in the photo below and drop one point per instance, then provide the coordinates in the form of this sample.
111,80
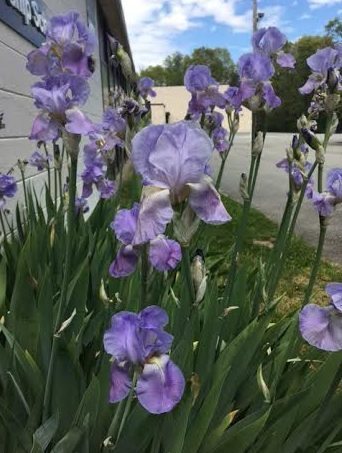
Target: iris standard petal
164,254
155,213
125,262
120,382
125,223
180,155
153,317
198,78
122,339
321,327
172,155
268,40
78,122
160,386
334,290
322,60
255,66
206,202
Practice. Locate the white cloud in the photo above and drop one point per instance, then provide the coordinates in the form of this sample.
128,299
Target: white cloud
154,25
305,16
314,4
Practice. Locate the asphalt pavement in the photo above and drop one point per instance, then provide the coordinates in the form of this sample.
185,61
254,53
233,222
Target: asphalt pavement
272,185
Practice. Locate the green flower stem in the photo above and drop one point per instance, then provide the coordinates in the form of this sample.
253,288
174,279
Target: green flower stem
127,406
112,430
186,262
144,277
60,183
315,267
2,224
22,171
224,159
48,167
55,171
66,278
220,174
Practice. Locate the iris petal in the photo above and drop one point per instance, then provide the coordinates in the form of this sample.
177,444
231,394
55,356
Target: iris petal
120,382
155,213
206,202
125,262
334,290
160,386
122,339
321,327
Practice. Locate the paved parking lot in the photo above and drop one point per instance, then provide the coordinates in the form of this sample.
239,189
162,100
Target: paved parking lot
271,188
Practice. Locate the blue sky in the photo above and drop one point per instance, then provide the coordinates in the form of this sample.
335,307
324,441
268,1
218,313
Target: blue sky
159,27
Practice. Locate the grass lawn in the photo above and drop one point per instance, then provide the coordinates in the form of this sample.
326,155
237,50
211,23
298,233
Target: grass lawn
261,233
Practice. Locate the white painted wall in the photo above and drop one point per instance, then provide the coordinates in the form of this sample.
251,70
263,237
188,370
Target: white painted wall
175,100
15,97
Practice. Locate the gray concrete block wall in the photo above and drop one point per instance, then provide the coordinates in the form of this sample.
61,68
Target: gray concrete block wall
15,98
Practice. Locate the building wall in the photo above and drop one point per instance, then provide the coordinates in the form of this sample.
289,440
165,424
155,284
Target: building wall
175,101
15,99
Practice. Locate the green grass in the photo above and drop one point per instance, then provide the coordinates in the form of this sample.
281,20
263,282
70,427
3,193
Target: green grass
260,235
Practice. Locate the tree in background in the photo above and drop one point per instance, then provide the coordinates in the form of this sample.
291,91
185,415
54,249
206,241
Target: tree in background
286,84
333,29
171,72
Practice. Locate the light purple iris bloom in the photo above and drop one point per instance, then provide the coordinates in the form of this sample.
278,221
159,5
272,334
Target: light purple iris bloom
320,63
270,41
68,49
174,159
204,90
54,97
164,254
322,326
255,70
94,174
326,202
145,87
8,188
138,342
40,160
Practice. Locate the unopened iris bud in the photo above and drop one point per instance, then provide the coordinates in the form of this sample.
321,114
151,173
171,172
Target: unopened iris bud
295,142
311,139
236,123
103,295
243,186
332,79
302,122
185,225
198,274
258,144
289,154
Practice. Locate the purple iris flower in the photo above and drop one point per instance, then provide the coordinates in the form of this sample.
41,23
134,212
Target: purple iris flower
145,87
174,158
204,90
40,161
270,41
164,254
320,63
55,96
68,49
219,137
8,188
326,202
255,70
81,205
215,119
139,344
322,326
94,174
